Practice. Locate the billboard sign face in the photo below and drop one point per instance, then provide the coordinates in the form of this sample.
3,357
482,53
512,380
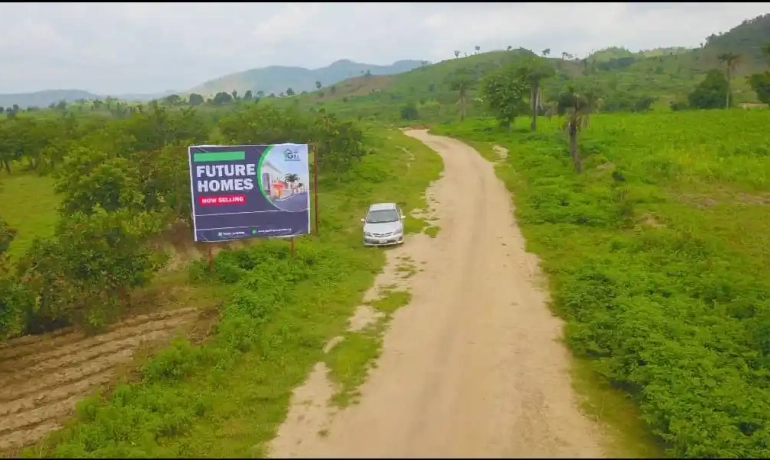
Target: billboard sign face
249,191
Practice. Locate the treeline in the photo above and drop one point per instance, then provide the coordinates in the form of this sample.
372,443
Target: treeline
715,92
123,183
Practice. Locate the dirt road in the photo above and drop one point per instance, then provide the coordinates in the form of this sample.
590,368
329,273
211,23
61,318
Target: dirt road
472,367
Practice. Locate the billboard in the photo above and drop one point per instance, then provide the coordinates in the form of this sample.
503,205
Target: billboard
249,191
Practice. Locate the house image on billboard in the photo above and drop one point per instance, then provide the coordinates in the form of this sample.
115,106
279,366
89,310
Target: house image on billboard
274,182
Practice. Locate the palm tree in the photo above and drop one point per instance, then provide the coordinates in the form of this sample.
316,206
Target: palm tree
533,73
574,108
291,178
461,82
730,60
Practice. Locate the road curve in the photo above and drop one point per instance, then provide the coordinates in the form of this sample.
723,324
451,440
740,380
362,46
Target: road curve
473,366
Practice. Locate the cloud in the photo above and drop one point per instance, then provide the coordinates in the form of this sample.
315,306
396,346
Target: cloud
112,48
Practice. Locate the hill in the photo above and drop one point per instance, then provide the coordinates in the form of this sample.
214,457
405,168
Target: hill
277,79
622,79
44,98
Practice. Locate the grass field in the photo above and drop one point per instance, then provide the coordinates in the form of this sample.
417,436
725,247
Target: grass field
28,203
226,397
657,257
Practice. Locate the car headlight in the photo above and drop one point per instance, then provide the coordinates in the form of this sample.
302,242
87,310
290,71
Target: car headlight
399,231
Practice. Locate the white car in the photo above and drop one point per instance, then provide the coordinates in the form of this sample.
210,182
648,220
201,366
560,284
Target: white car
383,225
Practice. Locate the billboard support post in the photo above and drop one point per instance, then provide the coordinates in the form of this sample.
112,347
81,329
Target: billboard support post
315,185
211,259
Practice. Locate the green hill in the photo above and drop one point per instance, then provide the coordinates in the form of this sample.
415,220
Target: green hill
44,98
620,77
277,79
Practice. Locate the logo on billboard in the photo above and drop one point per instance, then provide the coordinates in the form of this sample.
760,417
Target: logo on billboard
290,155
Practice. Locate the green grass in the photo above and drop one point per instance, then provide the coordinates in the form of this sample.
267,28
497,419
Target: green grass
28,203
227,397
350,361
660,272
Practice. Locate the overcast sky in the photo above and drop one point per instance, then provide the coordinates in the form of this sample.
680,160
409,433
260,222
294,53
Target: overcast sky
113,48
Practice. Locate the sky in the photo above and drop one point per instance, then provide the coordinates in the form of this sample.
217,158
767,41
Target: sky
119,48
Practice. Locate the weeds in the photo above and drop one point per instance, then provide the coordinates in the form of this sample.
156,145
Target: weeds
675,313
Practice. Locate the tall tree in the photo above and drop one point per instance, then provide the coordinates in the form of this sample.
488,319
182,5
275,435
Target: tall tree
477,48
318,84
534,71
457,54
573,105
546,52
462,81
503,92
730,60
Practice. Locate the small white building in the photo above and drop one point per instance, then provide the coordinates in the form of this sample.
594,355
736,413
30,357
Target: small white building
273,181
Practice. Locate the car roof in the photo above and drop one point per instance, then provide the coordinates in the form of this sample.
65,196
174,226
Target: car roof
381,206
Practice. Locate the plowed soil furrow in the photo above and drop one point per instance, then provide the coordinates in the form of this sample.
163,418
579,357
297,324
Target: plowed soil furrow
24,346
13,392
118,334
14,422
78,358
78,388
21,438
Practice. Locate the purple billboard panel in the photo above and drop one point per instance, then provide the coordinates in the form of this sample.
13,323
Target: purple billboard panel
249,191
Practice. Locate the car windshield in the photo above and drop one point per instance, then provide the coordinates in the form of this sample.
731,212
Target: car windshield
382,216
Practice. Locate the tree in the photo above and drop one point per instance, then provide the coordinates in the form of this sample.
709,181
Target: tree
260,94
457,54
546,52
83,272
173,99
409,112
534,71
710,93
248,96
292,179
333,89
573,106
730,60
462,81
503,91
509,48
15,300
477,48
222,98
289,92
235,95
760,83
318,85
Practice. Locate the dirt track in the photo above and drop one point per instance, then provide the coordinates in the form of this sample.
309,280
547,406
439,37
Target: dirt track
472,367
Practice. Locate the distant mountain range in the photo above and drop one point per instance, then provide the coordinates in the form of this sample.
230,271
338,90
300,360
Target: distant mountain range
278,79
273,79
